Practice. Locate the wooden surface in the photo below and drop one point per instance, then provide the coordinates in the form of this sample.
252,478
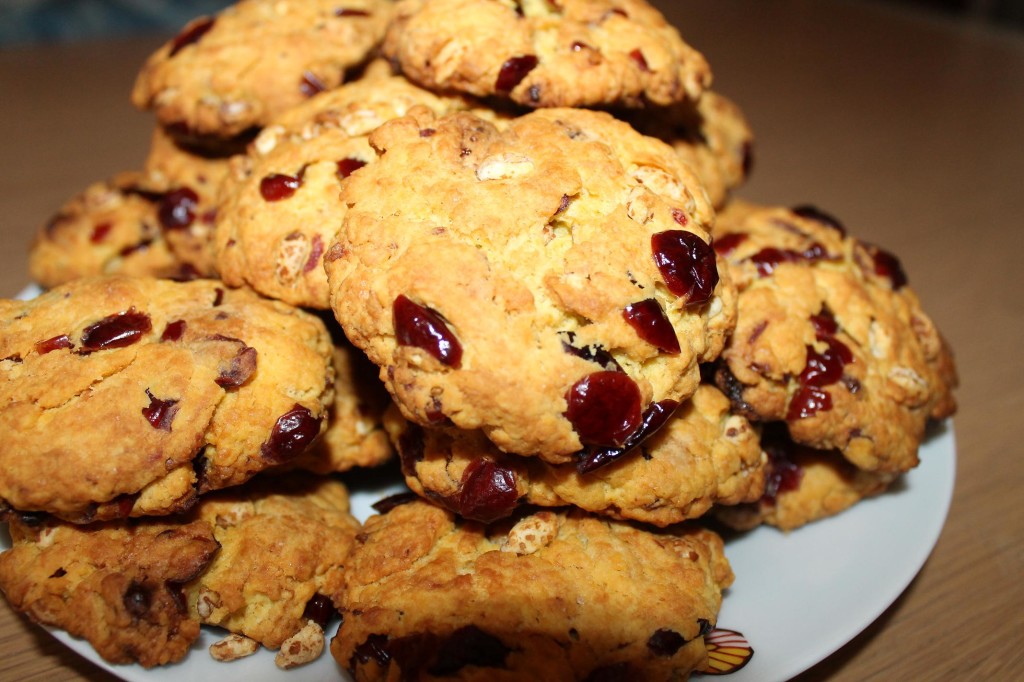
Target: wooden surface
911,130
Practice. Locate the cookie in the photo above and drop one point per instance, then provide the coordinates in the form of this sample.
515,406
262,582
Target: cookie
712,136
188,180
110,227
702,456
227,74
546,54
549,282
280,208
284,546
258,560
830,338
128,396
552,595
804,485
118,586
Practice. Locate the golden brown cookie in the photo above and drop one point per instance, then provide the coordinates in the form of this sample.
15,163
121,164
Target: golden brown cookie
546,54
804,485
226,74
552,595
110,227
549,283
127,396
830,338
703,455
281,208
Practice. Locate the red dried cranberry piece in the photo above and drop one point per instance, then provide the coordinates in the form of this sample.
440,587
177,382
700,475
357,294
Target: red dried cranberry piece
687,264
655,416
824,324
160,413
487,492
513,71
56,343
319,609
293,432
594,353
652,325
727,243
814,213
311,85
174,331
826,368
784,474
344,12
277,186
888,265
469,645
638,58
316,249
178,209
348,166
374,648
137,600
679,215
100,232
239,369
391,501
807,402
422,327
192,33
769,258
604,408
665,642
116,331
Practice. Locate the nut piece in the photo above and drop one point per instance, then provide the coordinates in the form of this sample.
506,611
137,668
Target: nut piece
233,647
304,646
532,533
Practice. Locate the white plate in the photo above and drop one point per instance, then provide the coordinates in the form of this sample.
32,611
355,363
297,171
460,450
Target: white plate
797,598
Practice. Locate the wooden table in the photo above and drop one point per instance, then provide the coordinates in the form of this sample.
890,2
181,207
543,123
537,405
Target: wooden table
910,129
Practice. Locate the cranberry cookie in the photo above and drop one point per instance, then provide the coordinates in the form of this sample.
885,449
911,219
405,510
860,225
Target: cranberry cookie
546,54
830,338
702,456
549,596
803,485
280,208
110,227
127,396
227,74
550,283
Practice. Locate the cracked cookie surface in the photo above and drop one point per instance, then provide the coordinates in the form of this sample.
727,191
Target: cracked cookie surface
128,396
546,54
227,74
506,279
551,595
830,338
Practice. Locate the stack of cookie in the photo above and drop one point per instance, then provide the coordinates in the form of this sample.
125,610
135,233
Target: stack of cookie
516,214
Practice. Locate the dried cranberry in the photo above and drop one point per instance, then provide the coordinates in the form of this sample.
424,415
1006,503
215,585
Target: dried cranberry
422,327
348,166
727,243
55,343
687,264
513,71
385,505
824,323
808,401
174,331
469,645
679,215
375,648
638,58
160,413
784,474
826,367
487,491
652,325
192,33
277,186
888,266
770,257
344,12
238,371
218,297
292,434
665,642
116,331
594,353
654,417
604,408
814,213
178,208
316,249
137,599
319,609
100,232
310,85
